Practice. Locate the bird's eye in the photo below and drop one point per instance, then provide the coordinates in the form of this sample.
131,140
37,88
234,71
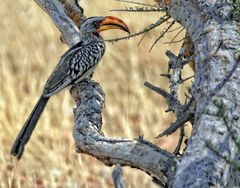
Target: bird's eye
96,24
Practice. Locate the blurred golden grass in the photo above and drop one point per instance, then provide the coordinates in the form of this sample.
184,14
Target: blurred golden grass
30,48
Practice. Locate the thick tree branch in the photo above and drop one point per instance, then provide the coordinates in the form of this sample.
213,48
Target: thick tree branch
136,153
58,14
216,41
73,11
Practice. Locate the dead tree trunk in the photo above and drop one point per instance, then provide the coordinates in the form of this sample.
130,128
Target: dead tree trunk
216,90
213,145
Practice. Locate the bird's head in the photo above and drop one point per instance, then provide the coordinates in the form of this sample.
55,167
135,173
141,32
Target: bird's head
98,24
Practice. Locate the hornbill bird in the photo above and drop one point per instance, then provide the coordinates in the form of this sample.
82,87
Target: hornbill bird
76,64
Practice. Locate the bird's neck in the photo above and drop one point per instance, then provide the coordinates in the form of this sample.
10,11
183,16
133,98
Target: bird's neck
89,37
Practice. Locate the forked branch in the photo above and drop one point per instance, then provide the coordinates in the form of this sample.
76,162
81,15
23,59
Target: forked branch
137,153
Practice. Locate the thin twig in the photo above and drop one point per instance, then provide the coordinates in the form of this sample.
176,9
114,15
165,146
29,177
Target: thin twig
138,3
166,75
173,42
175,29
142,38
177,124
180,140
176,36
173,103
162,34
138,9
186,79
117,176
147,29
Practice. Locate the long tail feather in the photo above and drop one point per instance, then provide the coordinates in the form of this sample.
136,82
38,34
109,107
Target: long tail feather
28,127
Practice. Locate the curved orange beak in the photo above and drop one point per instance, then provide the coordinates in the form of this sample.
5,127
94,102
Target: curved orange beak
111,22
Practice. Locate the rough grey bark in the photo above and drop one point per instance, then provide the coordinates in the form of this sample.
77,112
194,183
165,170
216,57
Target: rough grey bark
216,92
137,153
216,41
58,14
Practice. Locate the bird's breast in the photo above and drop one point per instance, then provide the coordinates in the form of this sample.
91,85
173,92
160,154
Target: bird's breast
84,62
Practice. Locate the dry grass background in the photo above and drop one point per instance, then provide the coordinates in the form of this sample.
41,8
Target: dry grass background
29,50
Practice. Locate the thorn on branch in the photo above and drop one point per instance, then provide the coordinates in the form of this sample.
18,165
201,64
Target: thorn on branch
174,126
138,3
166,75
173,39
142,38
181,81
186,115
169,110
174,42
159,183
141,137
138,9
162,34
187,98
180,141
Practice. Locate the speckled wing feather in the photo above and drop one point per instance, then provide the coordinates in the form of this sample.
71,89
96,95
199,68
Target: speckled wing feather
73,65
60,78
